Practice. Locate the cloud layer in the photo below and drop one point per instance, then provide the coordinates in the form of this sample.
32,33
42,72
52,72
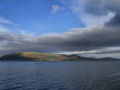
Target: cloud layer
92,38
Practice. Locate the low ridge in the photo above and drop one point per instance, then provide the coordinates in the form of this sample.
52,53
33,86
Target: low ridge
37,56
30,56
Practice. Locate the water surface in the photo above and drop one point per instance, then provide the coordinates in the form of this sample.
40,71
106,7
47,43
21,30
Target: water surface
94,75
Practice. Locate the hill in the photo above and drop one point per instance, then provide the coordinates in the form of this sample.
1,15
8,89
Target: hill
38,56
29,56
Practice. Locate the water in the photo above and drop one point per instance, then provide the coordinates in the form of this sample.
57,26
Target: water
101,75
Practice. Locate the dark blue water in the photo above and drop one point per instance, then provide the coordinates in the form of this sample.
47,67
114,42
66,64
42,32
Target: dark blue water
101,75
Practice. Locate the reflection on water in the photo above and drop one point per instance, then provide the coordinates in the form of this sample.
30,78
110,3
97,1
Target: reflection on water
95,75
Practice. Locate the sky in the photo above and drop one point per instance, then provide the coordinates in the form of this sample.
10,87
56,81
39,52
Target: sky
85,27
38,16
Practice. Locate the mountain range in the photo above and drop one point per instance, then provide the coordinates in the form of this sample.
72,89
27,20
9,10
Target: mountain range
35,56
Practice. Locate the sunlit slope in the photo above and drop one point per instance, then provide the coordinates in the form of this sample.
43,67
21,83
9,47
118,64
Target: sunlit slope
38,56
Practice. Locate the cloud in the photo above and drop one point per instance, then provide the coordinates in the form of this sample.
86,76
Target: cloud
103,7
90,20
93,12
5,21
3,29
77,39
56,8
115,21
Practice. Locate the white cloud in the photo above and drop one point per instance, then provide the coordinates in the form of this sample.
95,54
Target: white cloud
78,8
5,21
90,20
56,8
3,29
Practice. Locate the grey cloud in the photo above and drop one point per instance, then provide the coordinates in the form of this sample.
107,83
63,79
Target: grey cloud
103,7
115,21
93,38
96,7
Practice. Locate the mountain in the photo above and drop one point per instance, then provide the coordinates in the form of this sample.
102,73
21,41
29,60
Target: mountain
27,56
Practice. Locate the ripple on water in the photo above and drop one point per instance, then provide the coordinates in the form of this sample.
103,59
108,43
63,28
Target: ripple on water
60,76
